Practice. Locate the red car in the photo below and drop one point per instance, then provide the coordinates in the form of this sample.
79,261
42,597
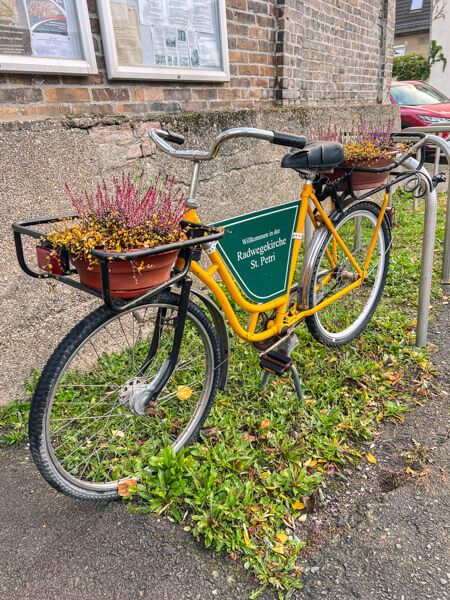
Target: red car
420,104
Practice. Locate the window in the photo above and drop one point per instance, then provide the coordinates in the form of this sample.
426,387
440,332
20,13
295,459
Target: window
400,50
46,36
184,40
416,4
410,94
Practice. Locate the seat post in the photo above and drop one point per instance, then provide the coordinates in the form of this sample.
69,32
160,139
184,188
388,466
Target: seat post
190,202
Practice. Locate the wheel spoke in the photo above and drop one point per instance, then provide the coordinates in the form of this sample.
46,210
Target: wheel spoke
92,434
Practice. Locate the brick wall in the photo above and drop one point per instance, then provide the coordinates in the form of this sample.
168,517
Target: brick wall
284,52
334,51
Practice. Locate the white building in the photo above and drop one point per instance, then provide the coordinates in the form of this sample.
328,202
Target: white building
440,31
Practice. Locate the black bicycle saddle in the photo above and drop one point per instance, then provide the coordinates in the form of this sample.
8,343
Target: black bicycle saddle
315,155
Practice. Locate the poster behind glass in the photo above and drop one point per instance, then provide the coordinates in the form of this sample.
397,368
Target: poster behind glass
167,33
40,29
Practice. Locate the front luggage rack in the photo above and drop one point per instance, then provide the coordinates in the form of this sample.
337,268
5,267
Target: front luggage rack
190,248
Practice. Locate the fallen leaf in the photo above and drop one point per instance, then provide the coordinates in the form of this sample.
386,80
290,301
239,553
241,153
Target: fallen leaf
298,506
122,487
371,458
117,433
282,538
211,431
246,538
391,376
302,518
184,392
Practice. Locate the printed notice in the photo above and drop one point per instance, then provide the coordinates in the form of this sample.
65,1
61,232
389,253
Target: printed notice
151,12
208,54
41,28
15,35
50,36
170,47
172,33
202,16
127,35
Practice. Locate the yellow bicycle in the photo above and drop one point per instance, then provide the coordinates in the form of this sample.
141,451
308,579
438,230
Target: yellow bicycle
136,376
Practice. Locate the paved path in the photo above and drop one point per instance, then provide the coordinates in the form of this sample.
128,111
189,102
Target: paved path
55,548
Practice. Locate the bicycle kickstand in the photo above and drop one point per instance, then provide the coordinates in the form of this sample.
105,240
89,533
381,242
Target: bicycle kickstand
278,362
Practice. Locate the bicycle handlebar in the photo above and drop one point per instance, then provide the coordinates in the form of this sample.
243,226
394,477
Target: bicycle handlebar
159,136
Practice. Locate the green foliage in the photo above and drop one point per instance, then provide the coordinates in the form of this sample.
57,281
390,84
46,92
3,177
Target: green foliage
14,417
416,66
436,55
410,67
14,423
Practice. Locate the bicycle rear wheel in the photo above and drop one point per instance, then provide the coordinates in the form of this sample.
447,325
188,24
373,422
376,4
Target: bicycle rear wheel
331,272
85,435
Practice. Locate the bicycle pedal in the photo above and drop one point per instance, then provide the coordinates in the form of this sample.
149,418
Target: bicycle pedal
275,362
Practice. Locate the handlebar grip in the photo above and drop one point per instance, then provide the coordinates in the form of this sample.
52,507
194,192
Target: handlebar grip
175,138
285,139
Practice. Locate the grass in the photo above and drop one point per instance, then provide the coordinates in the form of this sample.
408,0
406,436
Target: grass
243,488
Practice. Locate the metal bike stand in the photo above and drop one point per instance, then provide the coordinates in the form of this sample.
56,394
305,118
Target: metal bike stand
429,233
287,347
441,145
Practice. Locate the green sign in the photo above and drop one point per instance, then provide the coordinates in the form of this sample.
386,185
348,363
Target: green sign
257,248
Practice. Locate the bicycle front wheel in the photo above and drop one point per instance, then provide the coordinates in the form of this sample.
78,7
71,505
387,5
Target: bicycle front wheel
85,434
332,272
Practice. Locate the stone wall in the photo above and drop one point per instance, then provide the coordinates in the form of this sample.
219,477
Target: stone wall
281,52
38,158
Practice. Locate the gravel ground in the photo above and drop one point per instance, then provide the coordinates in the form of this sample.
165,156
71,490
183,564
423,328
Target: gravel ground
383,534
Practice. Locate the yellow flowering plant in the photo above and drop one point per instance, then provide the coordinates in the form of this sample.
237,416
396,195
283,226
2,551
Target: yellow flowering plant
364,142
124,215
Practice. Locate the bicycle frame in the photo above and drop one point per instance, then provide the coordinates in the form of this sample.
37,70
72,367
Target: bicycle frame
286,317
287,314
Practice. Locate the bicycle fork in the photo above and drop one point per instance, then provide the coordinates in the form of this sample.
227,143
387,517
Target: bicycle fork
142,397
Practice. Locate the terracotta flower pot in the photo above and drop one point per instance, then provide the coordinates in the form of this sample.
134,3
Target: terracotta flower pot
364,180
128,278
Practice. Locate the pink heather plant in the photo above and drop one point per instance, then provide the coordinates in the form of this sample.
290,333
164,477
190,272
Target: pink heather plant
131,202
363,141
124,216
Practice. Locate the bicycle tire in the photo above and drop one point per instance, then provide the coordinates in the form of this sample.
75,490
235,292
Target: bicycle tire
84,435
343,320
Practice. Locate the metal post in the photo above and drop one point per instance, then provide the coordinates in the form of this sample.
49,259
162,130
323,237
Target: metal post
446,259
443,145
426,269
